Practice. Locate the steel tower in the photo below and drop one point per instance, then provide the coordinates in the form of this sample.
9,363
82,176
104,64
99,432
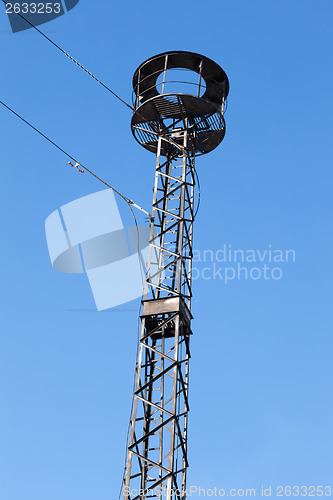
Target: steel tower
176,127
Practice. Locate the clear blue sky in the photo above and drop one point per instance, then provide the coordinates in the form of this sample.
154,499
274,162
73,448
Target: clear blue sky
261,368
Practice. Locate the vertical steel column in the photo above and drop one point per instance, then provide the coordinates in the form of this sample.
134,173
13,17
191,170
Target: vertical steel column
157,452
176,126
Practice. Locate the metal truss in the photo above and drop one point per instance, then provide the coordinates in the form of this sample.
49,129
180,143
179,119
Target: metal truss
157,452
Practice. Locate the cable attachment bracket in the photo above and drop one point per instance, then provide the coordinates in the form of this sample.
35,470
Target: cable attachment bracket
131,202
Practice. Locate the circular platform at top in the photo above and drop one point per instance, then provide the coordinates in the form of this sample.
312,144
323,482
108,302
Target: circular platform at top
145,77
174,114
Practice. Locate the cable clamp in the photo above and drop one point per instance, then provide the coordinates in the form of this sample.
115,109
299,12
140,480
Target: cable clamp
77,166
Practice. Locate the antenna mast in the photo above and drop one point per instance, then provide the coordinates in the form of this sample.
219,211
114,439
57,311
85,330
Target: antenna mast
176,127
